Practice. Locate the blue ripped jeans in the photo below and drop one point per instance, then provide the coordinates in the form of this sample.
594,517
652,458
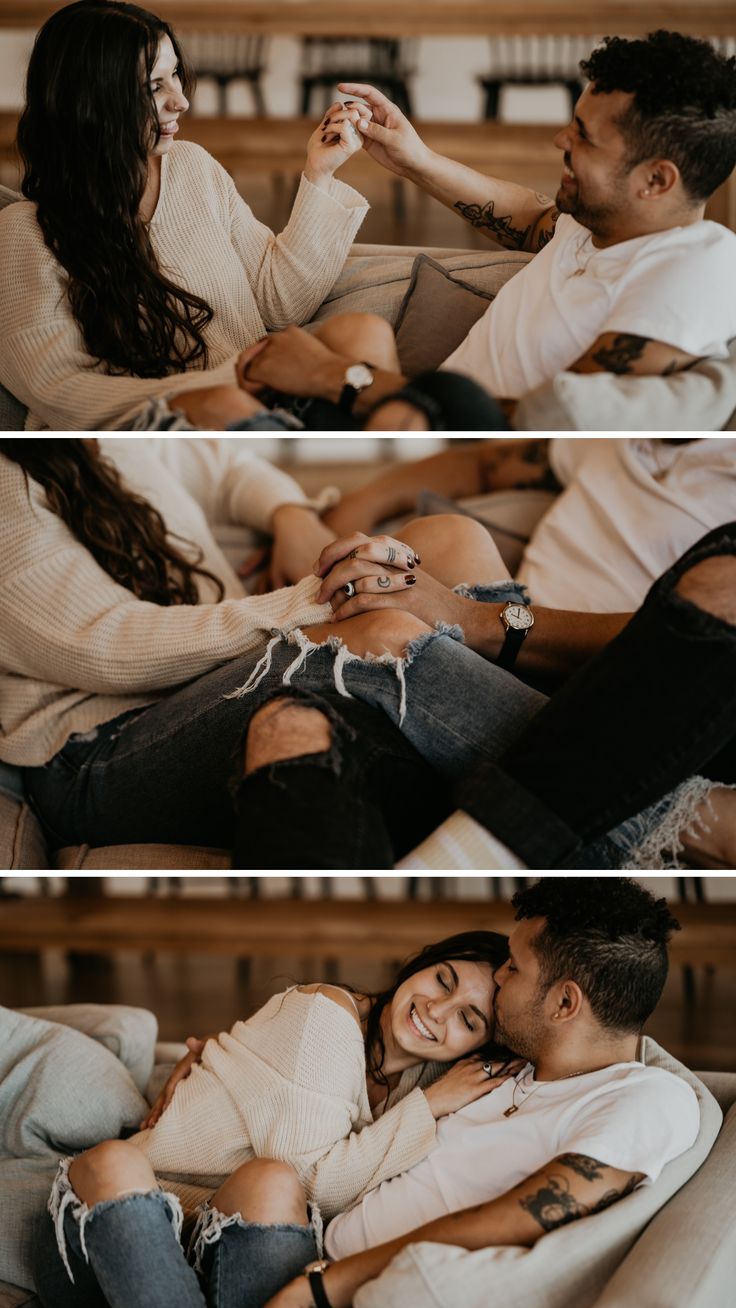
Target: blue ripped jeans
127,1253
402,729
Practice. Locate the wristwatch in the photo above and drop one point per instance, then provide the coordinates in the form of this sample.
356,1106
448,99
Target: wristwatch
358,377
314,1273
518,621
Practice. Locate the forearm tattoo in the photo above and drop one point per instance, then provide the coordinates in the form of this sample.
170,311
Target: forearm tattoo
619,356
546,230
532,453
500,228
553,1205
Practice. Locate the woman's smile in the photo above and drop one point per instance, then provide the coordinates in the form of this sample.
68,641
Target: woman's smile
417,1025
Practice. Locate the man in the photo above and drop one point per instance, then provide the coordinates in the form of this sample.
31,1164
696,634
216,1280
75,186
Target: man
578,1129
628,277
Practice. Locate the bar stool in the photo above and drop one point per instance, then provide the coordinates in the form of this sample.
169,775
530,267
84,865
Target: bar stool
534,61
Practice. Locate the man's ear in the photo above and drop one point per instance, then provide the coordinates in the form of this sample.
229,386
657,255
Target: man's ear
568,1001
659,177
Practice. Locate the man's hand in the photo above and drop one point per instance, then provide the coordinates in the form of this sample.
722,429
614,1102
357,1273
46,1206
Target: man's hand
388,137
296,1294
212,408
292,361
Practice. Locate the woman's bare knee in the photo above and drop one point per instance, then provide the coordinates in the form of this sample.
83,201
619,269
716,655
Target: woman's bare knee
285,728
455,548
364,337
711,586
263,1190
109,1170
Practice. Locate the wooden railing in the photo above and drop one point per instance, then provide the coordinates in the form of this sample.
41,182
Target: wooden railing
421,17
334,929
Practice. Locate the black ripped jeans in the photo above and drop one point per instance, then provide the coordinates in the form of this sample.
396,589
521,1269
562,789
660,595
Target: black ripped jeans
656,706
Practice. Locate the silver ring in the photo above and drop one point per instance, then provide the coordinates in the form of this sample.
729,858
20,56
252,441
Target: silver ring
349,589
488,1069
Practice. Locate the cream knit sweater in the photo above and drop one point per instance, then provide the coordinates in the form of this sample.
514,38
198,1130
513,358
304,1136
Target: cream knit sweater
207,240
77,649
290,1084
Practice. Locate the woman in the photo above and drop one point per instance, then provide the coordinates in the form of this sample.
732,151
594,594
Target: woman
135,271
143,698
343,1086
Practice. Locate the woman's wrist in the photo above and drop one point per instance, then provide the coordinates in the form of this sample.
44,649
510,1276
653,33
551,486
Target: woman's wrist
317,177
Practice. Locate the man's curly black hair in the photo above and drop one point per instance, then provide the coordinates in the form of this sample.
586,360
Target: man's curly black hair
684,106
609,935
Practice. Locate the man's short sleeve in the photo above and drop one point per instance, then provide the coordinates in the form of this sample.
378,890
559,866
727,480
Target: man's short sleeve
638,1126
661,295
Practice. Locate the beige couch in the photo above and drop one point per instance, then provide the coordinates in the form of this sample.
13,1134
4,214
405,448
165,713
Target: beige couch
376,278
670,1245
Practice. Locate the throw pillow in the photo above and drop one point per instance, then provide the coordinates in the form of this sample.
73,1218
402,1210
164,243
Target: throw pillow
436,314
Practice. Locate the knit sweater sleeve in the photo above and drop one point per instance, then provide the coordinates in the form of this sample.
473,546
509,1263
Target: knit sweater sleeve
64,621
359,1162
44,361
292,273
230,485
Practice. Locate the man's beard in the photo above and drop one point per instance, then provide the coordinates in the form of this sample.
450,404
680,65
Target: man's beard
596,217
524,1037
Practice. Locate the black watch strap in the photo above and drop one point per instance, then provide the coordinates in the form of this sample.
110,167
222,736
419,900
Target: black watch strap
511,647
348,396
317,1286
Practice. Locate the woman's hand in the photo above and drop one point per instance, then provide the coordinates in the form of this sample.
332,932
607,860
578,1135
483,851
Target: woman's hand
180,1073
467,1081
388,136
384,573
334,141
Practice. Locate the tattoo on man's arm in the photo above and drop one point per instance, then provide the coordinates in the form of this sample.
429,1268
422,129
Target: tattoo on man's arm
589,1168
533,453
553,1205
501,229
619,356
545,230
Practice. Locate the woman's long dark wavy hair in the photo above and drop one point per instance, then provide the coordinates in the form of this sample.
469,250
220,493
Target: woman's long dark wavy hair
84,138
470,946
121,530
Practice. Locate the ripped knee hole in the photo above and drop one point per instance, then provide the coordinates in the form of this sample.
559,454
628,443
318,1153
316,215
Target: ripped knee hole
285,729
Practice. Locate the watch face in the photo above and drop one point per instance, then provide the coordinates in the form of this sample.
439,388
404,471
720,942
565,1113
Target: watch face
359,376
518,617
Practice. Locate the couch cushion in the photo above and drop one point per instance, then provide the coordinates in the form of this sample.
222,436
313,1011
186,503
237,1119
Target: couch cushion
686,1258
378,284
60,1092
129,1033
117,858
435,316
22,845
569,1266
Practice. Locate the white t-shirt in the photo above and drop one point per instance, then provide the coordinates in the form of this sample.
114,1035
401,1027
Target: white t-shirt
627,1116
677,286
631,508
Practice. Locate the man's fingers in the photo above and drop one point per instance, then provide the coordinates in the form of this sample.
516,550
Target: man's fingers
375,98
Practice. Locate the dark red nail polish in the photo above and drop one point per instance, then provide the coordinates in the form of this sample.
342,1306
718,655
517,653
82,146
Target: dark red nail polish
417,560
410,581
410,562
324,138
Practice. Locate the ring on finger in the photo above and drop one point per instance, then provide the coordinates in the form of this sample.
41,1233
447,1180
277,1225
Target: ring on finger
488,1069
349,589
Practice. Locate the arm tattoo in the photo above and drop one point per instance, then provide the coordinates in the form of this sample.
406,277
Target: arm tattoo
500,228
547,229
590,1168
533,453
619,356
553,1205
